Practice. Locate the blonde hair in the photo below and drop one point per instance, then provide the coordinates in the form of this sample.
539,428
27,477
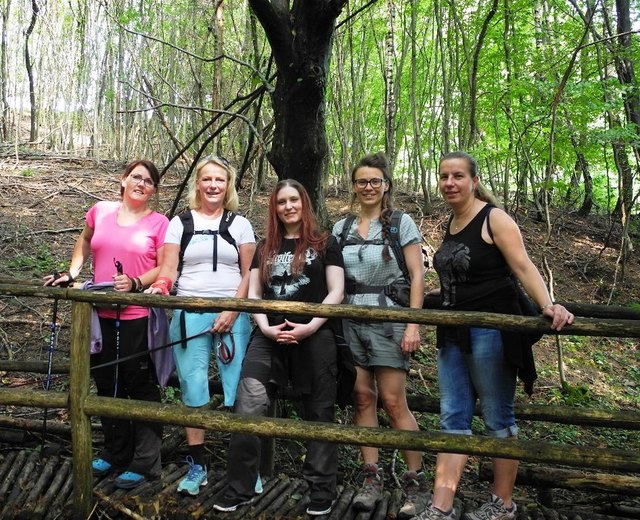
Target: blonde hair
231,199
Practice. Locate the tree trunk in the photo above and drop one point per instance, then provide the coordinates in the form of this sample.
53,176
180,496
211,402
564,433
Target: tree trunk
389,88
33,131
301,39
473,80
4,103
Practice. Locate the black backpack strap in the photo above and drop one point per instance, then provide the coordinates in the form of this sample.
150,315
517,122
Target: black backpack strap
342,237
394,241
188,231
187,234
223,231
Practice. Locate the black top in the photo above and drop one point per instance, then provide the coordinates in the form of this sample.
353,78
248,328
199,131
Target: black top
474,276
297,364
309,287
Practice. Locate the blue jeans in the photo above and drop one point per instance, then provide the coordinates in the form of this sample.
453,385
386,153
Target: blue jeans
192,361
482,373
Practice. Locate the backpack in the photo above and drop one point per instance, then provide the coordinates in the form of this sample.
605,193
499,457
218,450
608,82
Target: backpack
188,231
394,240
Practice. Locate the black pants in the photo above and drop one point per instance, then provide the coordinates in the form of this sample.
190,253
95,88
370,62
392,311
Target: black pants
131,445
254,397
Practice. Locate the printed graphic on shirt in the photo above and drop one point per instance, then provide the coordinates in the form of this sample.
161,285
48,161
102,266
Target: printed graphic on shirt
452,263
283,284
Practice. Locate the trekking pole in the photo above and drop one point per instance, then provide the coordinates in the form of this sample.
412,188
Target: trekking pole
52,345
119,270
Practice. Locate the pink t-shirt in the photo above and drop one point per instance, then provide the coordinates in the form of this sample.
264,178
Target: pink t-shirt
135,246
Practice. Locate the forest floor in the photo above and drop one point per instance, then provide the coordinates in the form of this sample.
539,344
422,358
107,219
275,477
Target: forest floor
41,214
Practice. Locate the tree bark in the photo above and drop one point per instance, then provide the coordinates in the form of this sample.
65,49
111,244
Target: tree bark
473,80
33,131
4,103
301,38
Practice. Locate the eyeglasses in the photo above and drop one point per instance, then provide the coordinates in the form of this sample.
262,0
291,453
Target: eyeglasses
376,182
217,158
137,179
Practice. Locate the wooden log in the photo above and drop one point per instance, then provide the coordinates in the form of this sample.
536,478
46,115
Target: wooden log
395,503
551,477
80,423
21,484
12,436
289,507
9,480
33,398
5,467
625,419
343,504
582,326
61,499
58,481
576,456
118,506
33,366
382,508
41,486
32,425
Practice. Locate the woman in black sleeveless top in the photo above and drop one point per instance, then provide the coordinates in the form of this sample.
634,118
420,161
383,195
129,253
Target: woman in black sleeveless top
481,248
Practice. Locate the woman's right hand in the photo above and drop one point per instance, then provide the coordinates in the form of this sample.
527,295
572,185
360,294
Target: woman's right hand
273,332
58,279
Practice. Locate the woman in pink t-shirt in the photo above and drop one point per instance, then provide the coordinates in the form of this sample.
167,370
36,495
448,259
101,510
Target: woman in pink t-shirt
126,240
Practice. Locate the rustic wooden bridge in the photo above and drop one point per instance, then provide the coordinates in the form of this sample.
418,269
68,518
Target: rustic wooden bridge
39,487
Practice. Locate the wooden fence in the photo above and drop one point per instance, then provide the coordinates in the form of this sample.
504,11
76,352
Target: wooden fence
82,405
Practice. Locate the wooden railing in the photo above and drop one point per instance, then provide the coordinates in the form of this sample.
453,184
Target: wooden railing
82,405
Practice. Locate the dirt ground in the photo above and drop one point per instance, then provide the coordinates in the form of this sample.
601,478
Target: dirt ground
44,199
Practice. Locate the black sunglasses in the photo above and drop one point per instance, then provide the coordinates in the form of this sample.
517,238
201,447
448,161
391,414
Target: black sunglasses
217,158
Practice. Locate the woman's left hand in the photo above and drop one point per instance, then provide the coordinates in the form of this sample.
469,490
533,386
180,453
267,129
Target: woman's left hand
559,315
411,338
224,322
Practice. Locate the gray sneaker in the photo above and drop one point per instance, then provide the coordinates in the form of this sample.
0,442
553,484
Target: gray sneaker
431,513
371,491
493,510
416,493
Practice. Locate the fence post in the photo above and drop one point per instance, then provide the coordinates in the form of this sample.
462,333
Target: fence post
80,422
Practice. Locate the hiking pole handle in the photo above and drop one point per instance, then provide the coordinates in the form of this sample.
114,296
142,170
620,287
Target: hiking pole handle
119,268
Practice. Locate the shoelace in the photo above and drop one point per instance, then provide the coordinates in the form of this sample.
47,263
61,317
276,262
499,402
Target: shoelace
492,507
370,482
193,472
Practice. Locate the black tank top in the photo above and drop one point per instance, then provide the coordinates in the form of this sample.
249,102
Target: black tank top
473,274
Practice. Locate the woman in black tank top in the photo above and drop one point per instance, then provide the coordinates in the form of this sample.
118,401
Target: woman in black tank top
474,264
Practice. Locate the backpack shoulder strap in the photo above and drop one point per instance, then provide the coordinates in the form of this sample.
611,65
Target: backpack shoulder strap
394,241
225,223
187,234
348,222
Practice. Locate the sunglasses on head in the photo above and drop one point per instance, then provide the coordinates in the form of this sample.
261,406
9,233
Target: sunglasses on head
217,158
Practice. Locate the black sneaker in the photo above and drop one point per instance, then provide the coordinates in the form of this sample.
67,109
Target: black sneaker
320,506
226,503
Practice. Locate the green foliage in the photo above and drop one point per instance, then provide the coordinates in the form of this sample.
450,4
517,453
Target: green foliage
28,172
171,395
42,261
578,395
